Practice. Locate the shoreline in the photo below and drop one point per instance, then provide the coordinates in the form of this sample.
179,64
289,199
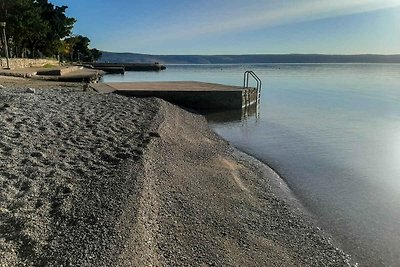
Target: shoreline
180,194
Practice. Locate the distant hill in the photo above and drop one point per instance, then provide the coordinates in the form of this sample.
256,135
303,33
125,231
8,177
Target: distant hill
236,59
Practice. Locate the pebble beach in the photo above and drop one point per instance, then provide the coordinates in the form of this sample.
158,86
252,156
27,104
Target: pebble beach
92,179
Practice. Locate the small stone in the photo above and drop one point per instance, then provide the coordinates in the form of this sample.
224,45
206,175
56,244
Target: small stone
31,90
4,107
37,154
2,87
154,134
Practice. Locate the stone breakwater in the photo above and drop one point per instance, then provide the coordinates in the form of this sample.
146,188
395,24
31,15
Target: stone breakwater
104,180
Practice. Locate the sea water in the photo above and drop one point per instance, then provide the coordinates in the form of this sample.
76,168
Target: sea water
332,131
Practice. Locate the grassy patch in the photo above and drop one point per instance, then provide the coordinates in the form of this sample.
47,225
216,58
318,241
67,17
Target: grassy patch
49,66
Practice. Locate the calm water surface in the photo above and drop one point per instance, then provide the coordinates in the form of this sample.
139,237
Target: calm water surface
333,133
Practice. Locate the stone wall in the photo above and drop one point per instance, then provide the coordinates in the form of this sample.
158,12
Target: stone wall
18,63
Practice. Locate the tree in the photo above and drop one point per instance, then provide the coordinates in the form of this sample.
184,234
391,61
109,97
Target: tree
25,26
76,48
96,54
60,25
37,27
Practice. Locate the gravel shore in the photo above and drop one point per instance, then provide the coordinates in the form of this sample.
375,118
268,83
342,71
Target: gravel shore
104,180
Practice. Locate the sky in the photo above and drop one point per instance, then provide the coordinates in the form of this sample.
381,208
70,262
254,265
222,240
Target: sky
239,26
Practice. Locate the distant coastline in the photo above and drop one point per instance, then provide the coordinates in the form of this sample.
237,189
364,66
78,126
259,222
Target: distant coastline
247,59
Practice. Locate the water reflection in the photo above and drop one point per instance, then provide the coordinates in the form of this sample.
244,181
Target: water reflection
237,115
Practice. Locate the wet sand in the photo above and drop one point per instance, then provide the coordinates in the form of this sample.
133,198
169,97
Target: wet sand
104,180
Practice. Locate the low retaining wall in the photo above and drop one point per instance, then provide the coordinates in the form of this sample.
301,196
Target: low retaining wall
19,63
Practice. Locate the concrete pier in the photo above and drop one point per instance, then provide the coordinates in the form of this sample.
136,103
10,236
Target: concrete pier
130,66
196,95
62,74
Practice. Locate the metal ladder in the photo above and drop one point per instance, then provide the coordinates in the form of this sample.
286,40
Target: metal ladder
246,77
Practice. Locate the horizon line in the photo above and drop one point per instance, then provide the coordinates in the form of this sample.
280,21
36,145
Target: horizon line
256,54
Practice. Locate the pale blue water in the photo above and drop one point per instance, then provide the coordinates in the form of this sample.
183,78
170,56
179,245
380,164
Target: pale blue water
333,133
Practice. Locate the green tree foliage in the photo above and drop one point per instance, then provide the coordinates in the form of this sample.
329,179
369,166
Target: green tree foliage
76,48
96,54
24,24
60,25
39,28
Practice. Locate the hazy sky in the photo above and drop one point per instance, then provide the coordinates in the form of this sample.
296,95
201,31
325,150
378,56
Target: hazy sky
239,26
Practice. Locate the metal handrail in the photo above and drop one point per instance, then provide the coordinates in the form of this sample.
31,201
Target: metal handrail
246,77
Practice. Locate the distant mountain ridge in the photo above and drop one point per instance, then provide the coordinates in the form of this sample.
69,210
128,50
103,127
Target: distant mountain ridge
256,58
